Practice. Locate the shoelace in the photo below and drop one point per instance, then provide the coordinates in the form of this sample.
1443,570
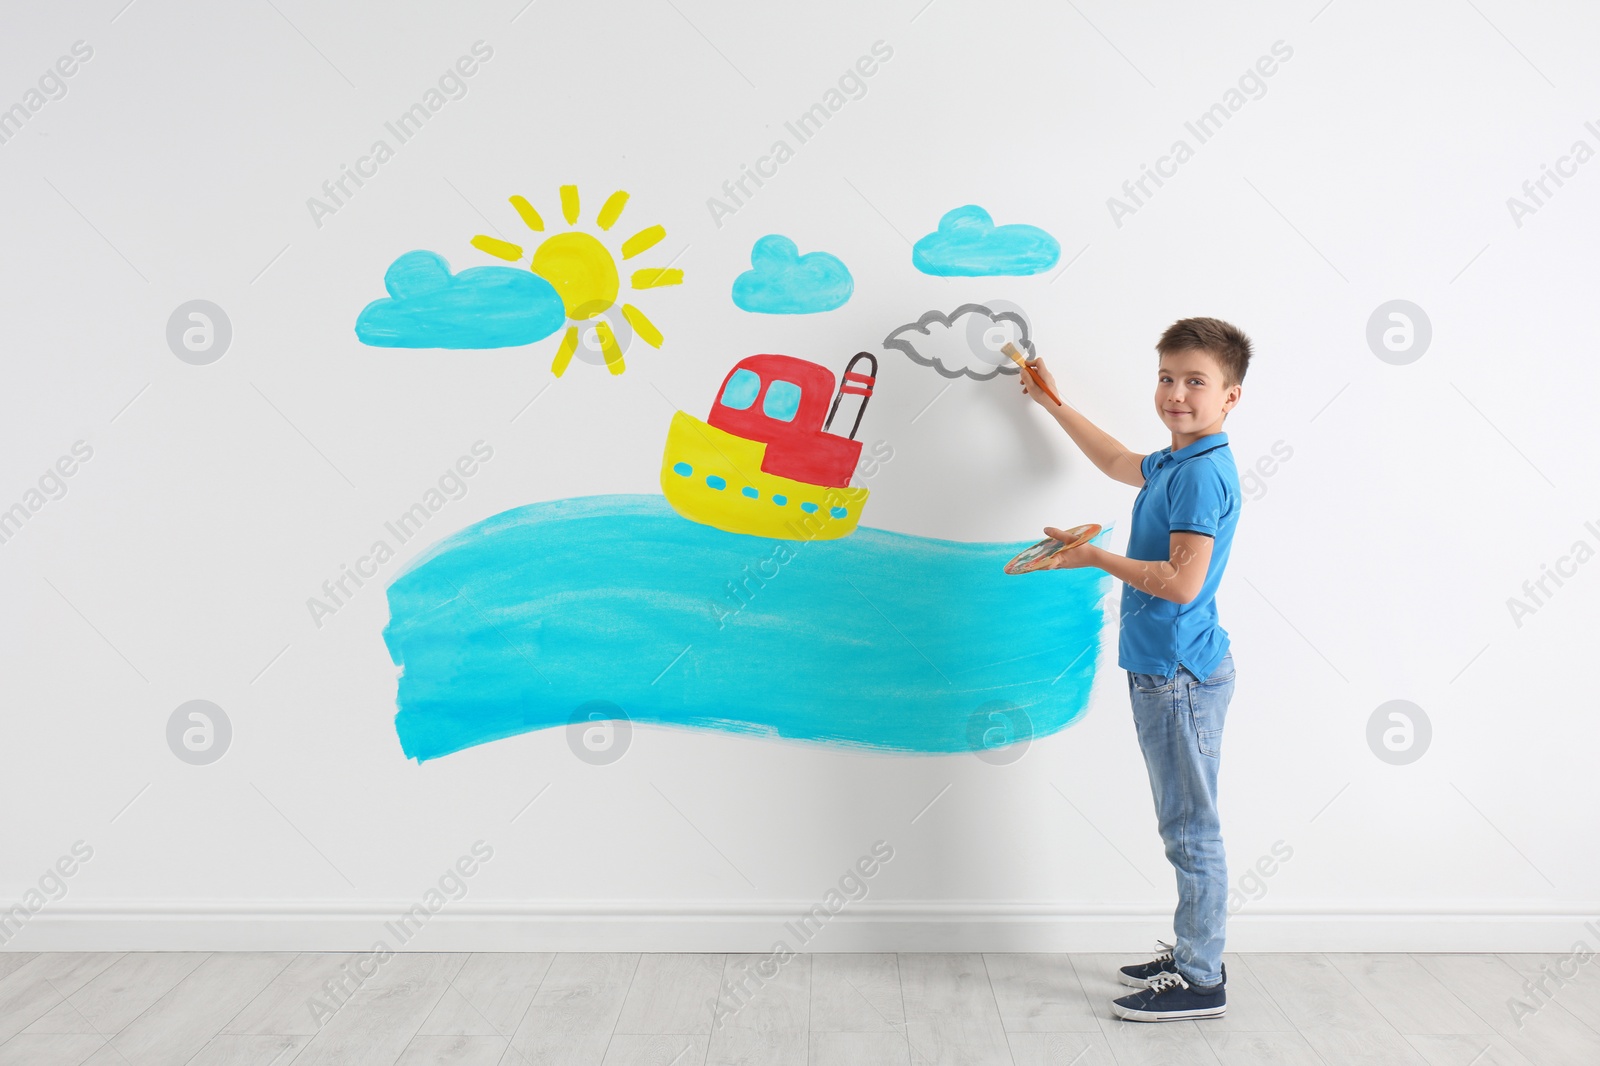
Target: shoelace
1167,979
1165,951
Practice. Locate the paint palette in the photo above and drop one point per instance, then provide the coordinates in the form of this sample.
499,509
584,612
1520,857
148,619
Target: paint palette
1042,555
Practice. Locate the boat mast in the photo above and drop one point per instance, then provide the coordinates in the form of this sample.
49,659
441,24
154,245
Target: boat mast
856,385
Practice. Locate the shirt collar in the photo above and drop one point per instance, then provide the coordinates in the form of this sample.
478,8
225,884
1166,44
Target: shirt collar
1204,444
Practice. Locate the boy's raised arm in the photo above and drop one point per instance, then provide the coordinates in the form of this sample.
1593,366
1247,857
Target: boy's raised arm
1103,450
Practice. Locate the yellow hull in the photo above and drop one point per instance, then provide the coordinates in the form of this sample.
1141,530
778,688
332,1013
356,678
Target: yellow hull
713,477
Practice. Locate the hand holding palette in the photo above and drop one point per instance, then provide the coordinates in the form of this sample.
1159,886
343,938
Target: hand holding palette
1045,554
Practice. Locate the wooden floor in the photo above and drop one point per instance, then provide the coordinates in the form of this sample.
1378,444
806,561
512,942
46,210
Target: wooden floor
256,1009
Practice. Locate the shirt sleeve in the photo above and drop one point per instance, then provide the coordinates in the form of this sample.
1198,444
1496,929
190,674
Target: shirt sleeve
1197,499
1147,464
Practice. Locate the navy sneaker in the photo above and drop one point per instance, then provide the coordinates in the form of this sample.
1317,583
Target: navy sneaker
1138,975
1171,997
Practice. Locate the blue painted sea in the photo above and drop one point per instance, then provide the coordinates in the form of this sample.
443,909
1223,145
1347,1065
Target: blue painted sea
878,641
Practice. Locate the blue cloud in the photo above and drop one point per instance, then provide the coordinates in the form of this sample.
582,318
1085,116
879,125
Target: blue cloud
781,281
481,307
969,244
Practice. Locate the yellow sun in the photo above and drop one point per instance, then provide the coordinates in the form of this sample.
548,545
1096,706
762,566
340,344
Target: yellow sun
584,274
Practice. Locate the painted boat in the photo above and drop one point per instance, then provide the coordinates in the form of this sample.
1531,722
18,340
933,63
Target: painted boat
764,461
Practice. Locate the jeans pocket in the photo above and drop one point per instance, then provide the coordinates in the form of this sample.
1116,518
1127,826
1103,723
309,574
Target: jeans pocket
1210,742
1151,684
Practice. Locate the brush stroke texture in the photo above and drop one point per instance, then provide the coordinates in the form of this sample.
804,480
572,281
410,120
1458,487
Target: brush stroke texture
881,641
481,307
969,244
781,281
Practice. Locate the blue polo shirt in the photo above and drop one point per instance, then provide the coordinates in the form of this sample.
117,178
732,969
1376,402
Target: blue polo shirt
1195,488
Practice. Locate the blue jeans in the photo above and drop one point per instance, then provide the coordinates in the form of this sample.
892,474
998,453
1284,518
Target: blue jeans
1179,720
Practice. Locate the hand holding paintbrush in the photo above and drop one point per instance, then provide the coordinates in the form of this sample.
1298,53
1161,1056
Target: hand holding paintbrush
1032,374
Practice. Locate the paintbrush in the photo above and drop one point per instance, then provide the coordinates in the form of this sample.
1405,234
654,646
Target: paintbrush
1016,357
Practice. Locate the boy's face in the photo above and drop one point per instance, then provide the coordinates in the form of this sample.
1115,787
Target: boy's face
1189,395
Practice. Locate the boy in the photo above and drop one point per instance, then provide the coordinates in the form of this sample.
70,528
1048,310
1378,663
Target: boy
1178,657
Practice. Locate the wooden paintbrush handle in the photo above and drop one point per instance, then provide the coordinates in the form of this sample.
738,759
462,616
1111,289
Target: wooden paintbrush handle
1033,375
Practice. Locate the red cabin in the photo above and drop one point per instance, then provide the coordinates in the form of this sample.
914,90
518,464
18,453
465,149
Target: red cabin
783,401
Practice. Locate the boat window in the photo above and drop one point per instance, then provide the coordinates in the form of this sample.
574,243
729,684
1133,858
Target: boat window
740,392
783,400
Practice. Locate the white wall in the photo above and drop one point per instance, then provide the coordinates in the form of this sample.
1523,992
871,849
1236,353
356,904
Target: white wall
1376,565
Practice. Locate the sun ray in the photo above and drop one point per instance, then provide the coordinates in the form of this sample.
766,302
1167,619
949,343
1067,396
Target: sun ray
529,215
642,325
612,210
569,344
569,203
498,248
654,277
644,239
608,345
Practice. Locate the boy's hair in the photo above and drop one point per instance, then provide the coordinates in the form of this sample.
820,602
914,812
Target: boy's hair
1226,342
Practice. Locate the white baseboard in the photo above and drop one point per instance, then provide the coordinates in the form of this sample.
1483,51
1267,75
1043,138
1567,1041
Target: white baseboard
725,926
